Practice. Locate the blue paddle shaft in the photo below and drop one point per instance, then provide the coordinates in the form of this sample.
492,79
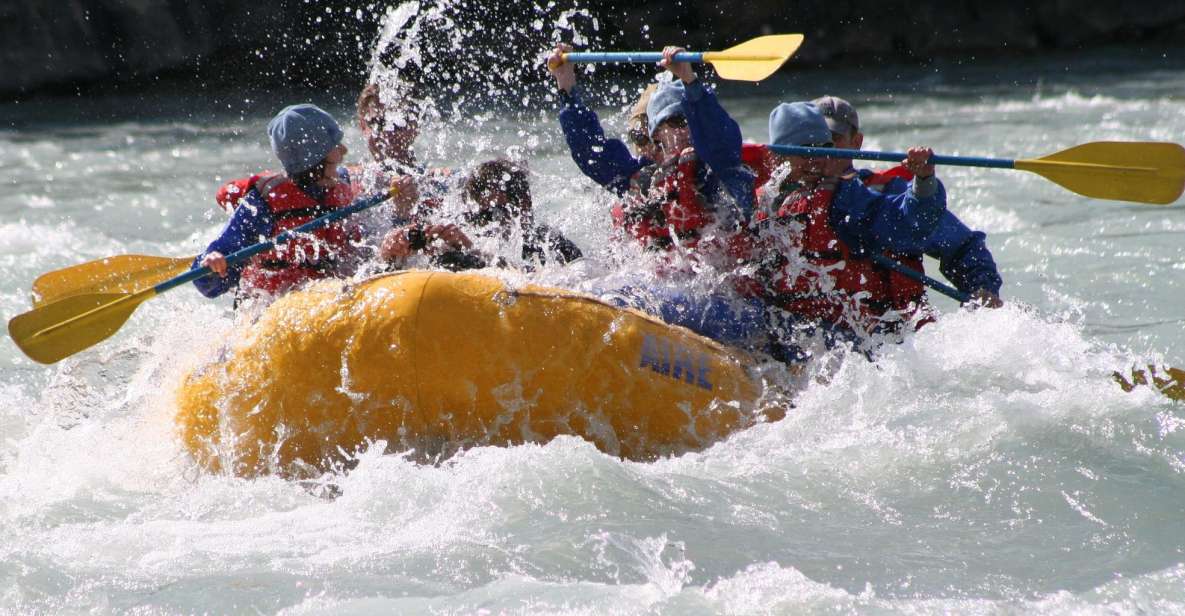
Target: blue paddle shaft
631,56
893,157
909,272
239,256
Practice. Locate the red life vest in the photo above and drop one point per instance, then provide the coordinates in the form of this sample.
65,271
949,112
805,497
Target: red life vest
755,156
308,257
663,197
835,285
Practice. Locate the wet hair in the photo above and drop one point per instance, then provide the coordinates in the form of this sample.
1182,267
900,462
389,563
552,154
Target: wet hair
503,176
371,109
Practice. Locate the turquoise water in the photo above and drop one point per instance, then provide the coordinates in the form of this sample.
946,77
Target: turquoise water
986,465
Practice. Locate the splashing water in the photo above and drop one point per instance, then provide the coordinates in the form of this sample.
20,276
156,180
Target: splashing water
986,464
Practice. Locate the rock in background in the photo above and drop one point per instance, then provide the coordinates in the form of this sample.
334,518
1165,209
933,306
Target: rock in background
60,45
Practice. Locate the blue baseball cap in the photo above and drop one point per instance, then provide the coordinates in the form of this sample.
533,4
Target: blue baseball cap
799,124
665,103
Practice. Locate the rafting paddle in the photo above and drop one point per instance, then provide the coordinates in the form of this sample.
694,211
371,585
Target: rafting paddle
752,60
1136,171
59,329
1171,385
118,274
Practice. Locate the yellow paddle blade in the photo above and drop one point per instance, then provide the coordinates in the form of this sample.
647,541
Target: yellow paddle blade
118,274
60,329
1170,382
1139,171
754,59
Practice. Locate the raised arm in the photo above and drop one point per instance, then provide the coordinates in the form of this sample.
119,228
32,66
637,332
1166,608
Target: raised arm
608,162
717,141
715,136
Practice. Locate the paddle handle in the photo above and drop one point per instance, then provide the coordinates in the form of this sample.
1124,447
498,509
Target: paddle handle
239,256
630,56
893,157
909,272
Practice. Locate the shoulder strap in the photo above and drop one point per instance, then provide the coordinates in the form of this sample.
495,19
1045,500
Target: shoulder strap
266,186
267,183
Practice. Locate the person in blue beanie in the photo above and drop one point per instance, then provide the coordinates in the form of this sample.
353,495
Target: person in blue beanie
962,254
698,179
307,142
819,229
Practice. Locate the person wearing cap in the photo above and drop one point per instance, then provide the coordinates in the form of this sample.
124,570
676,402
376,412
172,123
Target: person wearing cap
691,179
818,229
307,142
962,254
697,177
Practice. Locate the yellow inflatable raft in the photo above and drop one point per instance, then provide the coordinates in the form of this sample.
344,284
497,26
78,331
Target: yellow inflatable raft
435,361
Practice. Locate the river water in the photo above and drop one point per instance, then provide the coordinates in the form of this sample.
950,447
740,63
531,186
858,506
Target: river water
985,465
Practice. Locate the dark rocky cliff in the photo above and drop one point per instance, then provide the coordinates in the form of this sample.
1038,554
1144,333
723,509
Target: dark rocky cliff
63,44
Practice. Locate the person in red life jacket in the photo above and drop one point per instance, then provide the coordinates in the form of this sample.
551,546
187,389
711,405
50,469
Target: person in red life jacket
390,134
818,228
962,254
699,178
307,142
687,175
500,194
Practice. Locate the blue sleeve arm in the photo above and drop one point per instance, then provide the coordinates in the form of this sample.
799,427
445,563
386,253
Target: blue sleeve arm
250,223
717,141
607,162
872,222
963,256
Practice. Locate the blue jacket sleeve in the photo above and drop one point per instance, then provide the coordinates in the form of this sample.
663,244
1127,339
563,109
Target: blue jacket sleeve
251,222
717,141
607,162
874,222
963,256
